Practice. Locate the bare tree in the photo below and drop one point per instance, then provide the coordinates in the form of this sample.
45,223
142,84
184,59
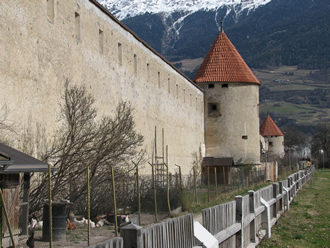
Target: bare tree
4,123
81,141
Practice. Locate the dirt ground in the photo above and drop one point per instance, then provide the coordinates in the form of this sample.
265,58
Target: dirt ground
79,237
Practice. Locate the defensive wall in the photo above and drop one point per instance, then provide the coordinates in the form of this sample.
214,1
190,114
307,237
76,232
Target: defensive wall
43,43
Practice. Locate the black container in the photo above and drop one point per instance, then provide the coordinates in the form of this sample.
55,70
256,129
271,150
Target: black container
59,210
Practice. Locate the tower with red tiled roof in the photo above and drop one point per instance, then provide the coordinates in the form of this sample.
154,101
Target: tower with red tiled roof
231,104
272,137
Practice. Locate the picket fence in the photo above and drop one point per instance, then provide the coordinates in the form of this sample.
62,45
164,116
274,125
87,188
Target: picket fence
243,222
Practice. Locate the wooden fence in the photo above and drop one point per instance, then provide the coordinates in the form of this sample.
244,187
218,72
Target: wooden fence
246,220
239,223
177,232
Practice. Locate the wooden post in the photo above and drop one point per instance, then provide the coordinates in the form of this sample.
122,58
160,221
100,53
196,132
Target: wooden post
195,186
7,219
168,190
50,207
114,199
253,229
88,207
138,191
25,207
181,190
239,219
224,178
155,194
208,184
216,181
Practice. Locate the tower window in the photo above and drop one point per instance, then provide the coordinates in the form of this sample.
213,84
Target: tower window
224,85
270,143
211,86
214,109
245,137
50,10
77,25
120,53
135,63
101,40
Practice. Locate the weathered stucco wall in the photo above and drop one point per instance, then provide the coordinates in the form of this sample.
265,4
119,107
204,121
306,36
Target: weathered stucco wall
44,43
232,125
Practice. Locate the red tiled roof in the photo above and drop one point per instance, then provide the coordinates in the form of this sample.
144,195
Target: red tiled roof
223,63
269,128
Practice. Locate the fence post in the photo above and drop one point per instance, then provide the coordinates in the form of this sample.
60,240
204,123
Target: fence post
275,193
253,229
280,188
132,236
239,219
266,216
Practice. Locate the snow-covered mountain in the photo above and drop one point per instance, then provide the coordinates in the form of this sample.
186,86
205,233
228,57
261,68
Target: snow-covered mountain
123,9
265,32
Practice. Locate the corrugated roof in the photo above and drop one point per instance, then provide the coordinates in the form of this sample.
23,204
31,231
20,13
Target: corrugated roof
269,128
223,63
15,161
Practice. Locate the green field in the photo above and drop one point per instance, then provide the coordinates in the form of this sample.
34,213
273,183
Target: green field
307,224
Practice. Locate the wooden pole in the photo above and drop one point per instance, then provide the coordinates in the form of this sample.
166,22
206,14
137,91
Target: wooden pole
155,194
168,190
195,186
224,178
114,199
208,183
7,219
50,207
88,207
181,193
216,181
138,191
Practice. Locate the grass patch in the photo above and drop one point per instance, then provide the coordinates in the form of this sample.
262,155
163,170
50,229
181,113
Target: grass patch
191,206
307,224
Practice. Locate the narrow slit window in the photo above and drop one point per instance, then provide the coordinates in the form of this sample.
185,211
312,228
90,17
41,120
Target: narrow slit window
211,86
77,25
184,95
120,53
224,85
190,100
169,85
177,91
135,63
50,10
101,40
158,79
148,71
